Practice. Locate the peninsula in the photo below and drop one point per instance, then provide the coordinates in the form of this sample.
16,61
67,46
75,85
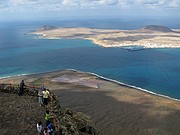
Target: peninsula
151,36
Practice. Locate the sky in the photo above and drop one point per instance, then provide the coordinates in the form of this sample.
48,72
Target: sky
64,9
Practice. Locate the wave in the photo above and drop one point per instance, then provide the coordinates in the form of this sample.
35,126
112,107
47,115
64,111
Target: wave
127,85
4,77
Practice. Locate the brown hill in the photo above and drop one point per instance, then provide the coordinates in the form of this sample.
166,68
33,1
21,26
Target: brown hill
158,28
47,27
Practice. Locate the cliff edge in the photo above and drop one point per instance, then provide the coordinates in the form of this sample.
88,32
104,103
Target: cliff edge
15,113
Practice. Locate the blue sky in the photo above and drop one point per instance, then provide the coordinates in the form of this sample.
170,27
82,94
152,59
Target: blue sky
63,9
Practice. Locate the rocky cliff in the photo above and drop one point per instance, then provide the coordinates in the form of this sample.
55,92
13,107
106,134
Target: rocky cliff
64,119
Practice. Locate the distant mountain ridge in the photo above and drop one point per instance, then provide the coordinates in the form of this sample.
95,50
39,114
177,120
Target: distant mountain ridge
158,28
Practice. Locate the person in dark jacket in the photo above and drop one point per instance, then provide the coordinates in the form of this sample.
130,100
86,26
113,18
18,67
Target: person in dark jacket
51,128
21,88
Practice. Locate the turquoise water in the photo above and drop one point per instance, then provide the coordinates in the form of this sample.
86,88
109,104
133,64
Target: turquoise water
157,70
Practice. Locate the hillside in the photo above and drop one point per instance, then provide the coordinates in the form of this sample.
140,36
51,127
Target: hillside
47,27
158,28
20,114
115,109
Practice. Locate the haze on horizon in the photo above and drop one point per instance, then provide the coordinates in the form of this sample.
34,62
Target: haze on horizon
12,10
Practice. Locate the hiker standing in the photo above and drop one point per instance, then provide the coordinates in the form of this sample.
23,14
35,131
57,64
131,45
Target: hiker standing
21,88
39,128
40,97
47,117
45,96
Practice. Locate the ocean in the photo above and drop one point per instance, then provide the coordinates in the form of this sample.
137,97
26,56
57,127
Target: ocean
154,70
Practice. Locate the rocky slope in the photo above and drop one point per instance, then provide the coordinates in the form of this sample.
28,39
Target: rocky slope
19,115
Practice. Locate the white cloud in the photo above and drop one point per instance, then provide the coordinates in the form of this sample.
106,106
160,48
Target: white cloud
158,4
45,5
174,4
73,3
108,2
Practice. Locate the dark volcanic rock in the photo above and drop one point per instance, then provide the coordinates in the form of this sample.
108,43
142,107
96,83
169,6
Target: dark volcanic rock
158,28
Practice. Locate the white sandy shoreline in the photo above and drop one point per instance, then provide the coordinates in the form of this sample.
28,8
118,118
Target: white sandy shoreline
99,76
127,85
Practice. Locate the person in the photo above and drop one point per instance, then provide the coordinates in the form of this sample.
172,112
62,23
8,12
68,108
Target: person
50,127
40,97
21,88
39,128
46,131
42,87
47,117
45,96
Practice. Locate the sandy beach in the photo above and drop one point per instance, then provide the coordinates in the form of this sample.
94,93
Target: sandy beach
144,37
115,109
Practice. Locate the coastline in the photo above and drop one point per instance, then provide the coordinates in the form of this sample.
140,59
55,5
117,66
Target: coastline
127,85
111,103
100,77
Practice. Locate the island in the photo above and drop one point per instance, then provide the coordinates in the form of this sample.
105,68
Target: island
151,36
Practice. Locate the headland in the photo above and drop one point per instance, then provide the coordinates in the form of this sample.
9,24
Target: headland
151,36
